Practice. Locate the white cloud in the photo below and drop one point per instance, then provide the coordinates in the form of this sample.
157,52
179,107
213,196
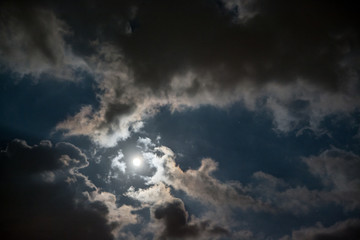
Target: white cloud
145,143
116,164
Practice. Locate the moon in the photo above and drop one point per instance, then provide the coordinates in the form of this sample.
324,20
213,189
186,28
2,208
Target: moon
137,162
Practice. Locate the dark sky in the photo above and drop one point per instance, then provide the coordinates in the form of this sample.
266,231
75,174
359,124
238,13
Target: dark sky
228,119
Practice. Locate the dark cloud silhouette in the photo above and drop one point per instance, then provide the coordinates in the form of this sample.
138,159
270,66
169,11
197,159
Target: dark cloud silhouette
175,219
43,195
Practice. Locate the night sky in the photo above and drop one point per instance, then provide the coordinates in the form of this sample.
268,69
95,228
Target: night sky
177,119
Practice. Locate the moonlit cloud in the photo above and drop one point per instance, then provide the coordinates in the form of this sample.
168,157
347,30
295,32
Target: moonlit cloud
199,183
243,116
117,164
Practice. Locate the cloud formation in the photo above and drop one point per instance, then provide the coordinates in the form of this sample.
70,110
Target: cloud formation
46,197
296,60
170,220
32,42
336,168
200,184
270,55
175,220
338,172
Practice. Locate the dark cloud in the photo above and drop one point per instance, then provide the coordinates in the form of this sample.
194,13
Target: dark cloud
300,58
40,30
285,41
146,54
113,110
45,197
175,219
348,229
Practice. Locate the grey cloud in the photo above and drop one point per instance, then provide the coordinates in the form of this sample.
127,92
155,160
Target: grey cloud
348,229
44,196
243,10
338,171
32,42
282,197
299,105
122,106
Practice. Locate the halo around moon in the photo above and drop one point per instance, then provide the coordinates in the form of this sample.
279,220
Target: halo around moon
137,162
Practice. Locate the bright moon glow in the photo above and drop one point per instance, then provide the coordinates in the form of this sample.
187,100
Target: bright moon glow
136,162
